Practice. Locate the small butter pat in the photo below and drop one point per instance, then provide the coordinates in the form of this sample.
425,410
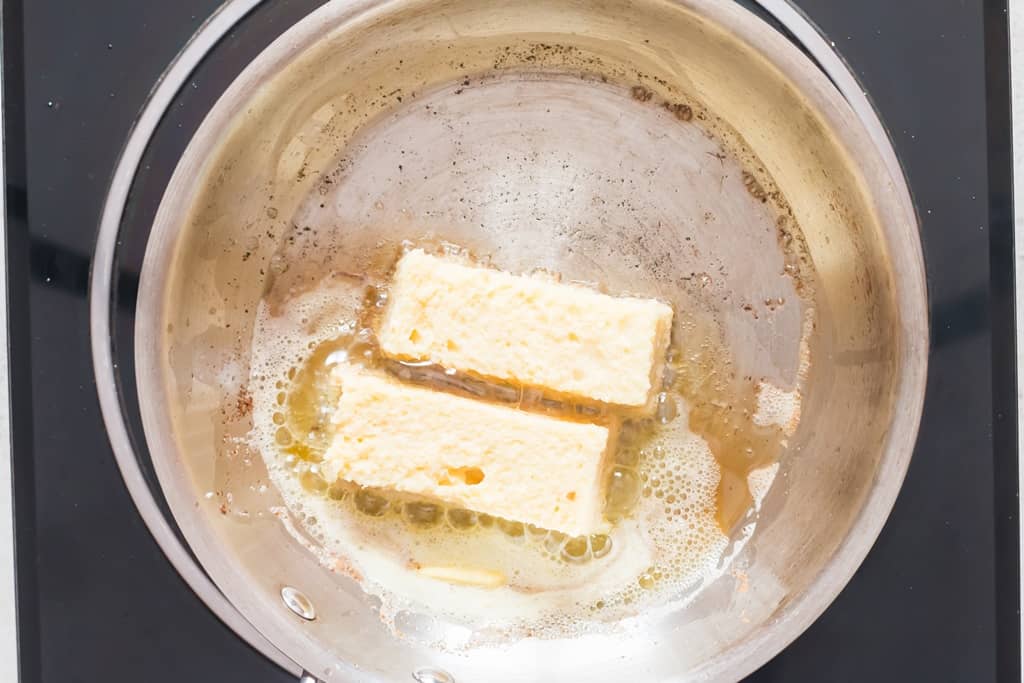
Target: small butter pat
479,456
563,338
465,576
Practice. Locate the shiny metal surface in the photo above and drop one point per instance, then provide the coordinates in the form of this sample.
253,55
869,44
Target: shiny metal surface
432,676
296,111
297,602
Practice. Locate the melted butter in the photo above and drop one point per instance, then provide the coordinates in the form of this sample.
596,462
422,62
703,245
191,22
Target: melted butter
310,400
722,409
668,528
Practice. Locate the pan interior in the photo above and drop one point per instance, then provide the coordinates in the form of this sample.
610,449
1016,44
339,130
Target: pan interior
599,182
638,146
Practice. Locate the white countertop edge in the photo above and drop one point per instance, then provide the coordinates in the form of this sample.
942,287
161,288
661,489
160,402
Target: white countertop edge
1017,101
8,615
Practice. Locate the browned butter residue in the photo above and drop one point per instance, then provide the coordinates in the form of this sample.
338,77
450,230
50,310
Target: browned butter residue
722,407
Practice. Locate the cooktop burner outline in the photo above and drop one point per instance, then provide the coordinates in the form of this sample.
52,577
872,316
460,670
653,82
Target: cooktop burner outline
780,6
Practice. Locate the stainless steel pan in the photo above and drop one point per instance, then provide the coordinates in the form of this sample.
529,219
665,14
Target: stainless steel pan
716,149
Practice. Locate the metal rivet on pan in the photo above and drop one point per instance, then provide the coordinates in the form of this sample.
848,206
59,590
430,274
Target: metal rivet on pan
432,676
298,603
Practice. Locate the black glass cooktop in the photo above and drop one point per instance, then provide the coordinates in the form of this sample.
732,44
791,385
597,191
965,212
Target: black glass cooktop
936,599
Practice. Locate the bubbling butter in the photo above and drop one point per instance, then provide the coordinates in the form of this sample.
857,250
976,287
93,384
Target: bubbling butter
490,574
